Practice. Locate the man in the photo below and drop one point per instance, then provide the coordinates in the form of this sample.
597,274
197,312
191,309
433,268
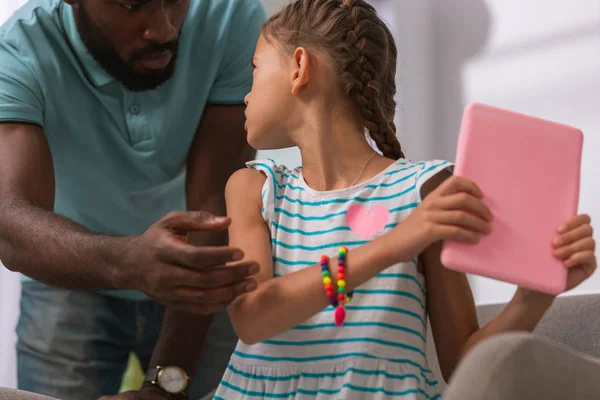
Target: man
113,115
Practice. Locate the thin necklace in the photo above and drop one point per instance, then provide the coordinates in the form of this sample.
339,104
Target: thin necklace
362,170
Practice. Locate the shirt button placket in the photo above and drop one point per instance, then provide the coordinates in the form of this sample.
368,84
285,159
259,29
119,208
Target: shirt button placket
135,109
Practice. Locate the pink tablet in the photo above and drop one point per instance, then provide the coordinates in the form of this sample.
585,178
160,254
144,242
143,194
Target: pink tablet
528,170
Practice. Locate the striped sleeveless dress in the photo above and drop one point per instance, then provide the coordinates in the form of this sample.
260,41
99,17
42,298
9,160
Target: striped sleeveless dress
379,352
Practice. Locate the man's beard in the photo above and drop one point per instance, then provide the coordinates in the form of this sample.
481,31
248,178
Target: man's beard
106,55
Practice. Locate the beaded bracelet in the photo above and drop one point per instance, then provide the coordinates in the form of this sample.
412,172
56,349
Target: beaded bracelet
343,251
343,298
327,280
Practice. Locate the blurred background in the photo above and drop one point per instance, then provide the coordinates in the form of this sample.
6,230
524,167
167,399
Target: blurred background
539,57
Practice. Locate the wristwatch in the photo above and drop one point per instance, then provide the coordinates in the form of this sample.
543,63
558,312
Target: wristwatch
171,379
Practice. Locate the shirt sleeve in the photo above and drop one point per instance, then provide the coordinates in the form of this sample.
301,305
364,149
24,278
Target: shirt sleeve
269,190
234,79
427,170
21,98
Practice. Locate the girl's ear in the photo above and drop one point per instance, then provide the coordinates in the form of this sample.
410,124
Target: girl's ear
302,73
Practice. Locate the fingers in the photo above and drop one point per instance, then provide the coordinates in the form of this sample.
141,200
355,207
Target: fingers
190,221
466,202
215,295
573,234
211,300
461,219
456,233
457,184
581,258
191,256
585,244
221,276
575,222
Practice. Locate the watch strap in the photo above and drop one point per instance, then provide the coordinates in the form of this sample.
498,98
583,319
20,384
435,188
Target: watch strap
152,375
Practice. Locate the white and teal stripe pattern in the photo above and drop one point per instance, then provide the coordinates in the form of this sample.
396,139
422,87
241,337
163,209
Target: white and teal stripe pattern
379,353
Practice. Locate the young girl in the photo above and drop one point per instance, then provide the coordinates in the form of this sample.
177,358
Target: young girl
325,71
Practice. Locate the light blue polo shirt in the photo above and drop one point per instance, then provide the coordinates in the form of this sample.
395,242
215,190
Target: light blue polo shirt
119,156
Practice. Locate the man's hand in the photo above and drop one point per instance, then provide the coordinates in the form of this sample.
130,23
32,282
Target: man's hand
197,279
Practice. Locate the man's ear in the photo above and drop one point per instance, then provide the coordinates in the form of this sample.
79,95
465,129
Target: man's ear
302,70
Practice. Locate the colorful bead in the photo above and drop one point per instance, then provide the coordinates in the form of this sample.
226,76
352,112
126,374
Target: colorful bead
342,298
343,251
340,315
327,283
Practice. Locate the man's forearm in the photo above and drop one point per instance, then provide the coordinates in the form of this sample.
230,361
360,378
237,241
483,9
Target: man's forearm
180,340
182,335
56,251
218,150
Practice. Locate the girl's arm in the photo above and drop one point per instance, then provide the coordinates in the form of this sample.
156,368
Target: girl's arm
450,301
278,305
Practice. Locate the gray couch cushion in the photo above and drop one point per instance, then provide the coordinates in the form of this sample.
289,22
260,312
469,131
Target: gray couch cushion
573,321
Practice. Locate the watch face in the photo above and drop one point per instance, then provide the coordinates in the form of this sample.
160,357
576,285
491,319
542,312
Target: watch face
172,380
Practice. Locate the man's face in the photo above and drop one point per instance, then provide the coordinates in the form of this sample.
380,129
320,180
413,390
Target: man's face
135,41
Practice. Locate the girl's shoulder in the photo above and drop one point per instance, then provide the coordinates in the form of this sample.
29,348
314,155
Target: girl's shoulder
277,173
417,172
423,171
275,179
411,176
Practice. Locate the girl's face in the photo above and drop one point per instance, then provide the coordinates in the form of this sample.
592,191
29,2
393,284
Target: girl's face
270,103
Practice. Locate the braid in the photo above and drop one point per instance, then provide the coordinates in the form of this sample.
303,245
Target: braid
362,51
369,55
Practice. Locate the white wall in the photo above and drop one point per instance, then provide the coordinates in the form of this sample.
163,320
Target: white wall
10,293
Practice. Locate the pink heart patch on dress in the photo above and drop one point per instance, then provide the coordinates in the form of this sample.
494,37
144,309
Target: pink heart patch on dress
366,223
